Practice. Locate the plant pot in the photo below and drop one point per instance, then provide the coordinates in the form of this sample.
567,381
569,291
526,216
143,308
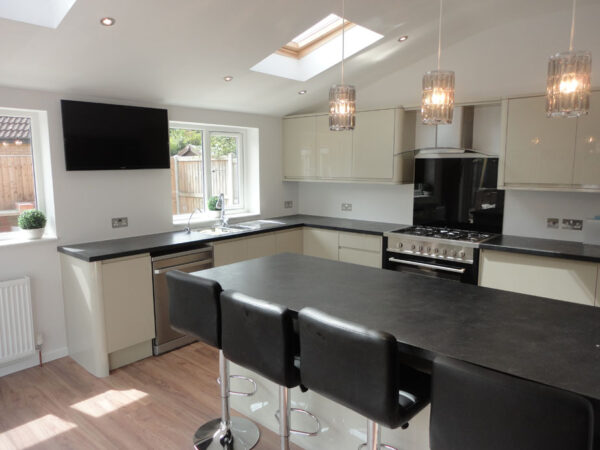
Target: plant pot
33,233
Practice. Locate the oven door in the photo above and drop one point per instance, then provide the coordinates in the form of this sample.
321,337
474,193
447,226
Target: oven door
451,270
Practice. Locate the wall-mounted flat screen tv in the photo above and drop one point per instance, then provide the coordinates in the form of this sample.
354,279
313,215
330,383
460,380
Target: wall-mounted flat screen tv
100,136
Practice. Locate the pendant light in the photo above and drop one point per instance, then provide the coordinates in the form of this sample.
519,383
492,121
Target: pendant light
568,84
342,97
437,102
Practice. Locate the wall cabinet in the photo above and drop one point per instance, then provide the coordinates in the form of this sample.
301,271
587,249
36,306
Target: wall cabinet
109,311
554,154
372,152
559,279
299,147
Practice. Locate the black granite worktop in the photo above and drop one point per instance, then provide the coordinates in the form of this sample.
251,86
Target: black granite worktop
547,341
544,247
176,241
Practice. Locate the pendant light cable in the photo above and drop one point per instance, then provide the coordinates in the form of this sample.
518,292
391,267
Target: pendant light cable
343,30
439,55
572,27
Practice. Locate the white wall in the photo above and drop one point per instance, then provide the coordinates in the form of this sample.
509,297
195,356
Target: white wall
84,202
377,202
525,212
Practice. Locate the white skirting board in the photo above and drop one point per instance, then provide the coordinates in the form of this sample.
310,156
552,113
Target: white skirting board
33,361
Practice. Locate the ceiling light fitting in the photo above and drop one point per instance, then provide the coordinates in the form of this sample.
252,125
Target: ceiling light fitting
228,78
302,92
107,21
568,83
342,97
437,102
403,38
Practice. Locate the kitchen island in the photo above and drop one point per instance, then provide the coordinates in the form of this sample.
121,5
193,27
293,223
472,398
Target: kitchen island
546,341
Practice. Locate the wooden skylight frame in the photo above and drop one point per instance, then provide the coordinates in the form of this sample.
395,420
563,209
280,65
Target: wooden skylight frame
317,35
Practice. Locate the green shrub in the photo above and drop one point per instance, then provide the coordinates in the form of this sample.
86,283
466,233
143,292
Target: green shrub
212,203
32,219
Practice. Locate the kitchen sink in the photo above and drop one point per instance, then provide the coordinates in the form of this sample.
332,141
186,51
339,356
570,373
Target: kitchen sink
218,231
256,224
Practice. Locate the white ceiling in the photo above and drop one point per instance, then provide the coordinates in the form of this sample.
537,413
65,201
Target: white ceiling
177,52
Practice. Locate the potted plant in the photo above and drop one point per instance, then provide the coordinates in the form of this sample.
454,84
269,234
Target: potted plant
32,222
212,206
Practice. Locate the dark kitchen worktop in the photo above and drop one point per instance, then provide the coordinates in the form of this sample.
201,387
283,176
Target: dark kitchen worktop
544,247
176,241
547,341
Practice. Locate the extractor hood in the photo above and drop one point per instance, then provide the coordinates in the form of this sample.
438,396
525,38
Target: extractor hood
453,138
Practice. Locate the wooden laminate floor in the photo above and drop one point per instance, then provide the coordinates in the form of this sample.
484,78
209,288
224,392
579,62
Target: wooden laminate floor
156,403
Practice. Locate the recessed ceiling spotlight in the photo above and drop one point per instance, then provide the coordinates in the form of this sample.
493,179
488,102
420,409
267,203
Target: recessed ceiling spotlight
107,21
302,92
228,78
403,38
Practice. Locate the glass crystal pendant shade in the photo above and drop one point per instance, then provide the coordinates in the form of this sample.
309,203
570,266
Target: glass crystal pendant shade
437,103
568,85
342,107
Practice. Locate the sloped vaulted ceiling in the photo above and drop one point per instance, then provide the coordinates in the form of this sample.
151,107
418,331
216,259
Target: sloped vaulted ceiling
177,51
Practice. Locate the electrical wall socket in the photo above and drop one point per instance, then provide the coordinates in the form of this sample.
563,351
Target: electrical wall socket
572,224
552,222
119,222
288,204
346,206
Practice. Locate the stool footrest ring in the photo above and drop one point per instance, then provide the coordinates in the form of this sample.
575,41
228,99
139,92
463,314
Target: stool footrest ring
389,447
309,414
241,394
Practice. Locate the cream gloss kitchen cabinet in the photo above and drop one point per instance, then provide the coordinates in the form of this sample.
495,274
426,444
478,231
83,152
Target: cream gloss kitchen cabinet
378,150
556,278
551,154
109,311
233,250
356,248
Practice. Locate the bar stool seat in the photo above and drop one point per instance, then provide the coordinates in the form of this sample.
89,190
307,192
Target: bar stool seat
194,309
361,369
473,408
260,336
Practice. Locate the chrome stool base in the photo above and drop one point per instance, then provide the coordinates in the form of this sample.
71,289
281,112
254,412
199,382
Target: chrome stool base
242,435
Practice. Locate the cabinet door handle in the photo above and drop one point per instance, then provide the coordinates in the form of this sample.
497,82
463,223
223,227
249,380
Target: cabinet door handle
204,262
427,266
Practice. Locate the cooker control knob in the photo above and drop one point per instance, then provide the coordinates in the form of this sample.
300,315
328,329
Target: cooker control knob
461,254
412,247
453,253
420,248
399,245
428,249
436,250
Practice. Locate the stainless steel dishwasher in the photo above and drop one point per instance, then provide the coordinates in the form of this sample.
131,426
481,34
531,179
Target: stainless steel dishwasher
191,261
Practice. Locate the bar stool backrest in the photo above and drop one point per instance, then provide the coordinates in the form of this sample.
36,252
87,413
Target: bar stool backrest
259,335
352,365
194,307
473,408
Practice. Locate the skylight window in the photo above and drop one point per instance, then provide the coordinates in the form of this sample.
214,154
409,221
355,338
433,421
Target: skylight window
45,13
317,49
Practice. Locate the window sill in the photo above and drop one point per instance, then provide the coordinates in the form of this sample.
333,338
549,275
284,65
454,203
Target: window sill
19,241
209,221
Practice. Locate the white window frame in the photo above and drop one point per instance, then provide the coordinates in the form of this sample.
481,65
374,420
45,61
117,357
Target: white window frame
36,153
207,131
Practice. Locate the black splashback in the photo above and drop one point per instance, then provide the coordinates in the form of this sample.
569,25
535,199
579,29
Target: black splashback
458,192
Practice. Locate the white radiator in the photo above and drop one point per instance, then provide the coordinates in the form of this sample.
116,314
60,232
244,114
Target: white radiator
16,320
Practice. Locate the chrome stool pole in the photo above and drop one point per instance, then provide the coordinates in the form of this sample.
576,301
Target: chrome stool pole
374,438
284,420
231,433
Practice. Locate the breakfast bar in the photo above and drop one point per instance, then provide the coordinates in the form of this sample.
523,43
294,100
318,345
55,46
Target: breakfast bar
550,342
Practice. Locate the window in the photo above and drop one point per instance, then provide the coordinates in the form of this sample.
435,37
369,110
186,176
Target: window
205,162
17,179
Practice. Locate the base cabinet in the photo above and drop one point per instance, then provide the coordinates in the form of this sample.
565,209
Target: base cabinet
109,311
321,243
360,249
559,279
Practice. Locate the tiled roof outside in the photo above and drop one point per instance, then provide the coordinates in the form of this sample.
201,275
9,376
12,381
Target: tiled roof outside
15,128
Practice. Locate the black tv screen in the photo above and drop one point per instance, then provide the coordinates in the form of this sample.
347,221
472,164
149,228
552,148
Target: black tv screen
100,136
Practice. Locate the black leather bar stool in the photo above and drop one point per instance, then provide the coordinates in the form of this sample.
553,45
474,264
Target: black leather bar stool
194,309
360,369
473,408
260,336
